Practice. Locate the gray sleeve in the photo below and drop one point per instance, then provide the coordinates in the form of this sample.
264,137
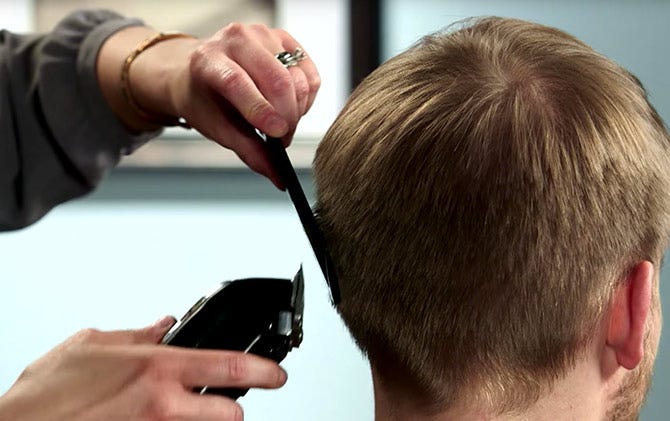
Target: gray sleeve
58,136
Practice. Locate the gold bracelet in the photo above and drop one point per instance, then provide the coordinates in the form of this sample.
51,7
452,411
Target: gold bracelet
158,119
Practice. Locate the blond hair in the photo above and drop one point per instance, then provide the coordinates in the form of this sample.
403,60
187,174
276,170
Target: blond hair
482,194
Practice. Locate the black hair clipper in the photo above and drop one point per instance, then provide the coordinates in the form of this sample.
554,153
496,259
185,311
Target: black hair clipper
262,316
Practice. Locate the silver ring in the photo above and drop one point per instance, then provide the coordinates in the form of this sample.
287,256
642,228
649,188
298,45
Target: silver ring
291,59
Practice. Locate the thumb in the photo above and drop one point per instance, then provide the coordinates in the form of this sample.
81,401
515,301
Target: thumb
154,333
147,335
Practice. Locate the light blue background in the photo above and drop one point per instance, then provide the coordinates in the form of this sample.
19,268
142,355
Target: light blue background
633,33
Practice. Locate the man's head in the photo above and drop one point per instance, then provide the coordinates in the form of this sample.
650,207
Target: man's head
486,196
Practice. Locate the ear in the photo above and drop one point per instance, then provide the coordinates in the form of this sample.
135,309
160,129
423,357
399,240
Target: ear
628,315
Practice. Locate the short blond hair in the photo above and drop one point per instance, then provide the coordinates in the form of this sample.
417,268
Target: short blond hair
482,194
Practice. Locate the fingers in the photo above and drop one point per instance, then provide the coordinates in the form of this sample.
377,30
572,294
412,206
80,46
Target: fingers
223,124
154,333
301,88
306,68
214,408
189,406
239,64
227,369
274,81
143,380
252,152
238,67
305,78
186,367
233,83
148,335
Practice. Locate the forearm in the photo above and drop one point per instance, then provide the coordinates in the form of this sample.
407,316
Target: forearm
58,136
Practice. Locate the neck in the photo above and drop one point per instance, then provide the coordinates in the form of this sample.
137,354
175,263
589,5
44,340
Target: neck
581,394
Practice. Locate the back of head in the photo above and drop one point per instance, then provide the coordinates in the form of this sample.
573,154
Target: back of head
482,194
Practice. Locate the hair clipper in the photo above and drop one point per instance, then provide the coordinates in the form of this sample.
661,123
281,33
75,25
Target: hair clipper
262,316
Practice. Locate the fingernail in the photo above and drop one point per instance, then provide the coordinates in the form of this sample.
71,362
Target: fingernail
283,376
164,322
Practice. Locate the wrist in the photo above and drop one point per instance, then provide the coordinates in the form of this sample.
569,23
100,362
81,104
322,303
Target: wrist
156,74
148,75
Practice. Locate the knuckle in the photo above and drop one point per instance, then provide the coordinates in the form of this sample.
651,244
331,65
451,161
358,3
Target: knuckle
157,372
158,395
302,89
314,83
282,33
260,27
88,335
197,59
232,37
232,80
237,368
233,30
161,408
156,367
27,372
280,83
236,412
259,113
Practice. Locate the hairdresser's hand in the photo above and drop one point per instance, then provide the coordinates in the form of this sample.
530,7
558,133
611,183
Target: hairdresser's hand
124,375
222,86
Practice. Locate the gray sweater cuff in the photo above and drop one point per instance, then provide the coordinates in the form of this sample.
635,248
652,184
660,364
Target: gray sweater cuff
89,133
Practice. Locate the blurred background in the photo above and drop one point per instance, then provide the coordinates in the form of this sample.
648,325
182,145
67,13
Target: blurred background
181,214
202,21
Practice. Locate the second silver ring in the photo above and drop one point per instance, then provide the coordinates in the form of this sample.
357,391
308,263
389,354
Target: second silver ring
289,59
